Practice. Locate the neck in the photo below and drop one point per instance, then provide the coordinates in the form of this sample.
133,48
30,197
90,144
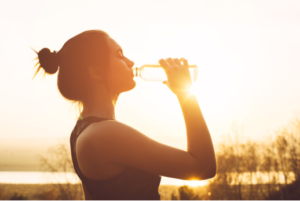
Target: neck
102,105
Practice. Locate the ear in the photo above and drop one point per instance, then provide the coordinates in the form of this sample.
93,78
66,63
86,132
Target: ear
96,73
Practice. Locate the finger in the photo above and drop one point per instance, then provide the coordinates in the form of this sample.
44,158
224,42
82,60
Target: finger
164,64
164,82
171,62
177,62
185,62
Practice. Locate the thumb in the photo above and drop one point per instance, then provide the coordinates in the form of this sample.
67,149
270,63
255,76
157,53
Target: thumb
164,82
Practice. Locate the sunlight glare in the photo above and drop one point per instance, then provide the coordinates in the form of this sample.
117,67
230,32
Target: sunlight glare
195,89
195,183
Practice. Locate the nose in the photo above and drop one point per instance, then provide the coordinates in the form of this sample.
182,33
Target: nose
130,63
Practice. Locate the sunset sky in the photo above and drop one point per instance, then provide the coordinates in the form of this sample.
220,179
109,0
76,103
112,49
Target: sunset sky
247,53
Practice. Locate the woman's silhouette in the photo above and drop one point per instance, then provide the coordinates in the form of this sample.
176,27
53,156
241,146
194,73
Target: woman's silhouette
113,160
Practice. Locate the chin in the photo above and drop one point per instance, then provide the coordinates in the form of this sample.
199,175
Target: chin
133,84
129,86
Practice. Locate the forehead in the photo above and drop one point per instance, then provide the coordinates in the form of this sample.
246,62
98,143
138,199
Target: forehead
113,45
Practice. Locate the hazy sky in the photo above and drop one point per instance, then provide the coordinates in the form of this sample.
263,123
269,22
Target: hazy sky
247,53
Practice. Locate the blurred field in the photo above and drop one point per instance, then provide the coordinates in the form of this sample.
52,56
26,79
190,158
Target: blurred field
51,191
23,155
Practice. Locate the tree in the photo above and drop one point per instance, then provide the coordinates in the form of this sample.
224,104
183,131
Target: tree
59,161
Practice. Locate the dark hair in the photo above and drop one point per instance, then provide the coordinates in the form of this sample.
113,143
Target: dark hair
73,59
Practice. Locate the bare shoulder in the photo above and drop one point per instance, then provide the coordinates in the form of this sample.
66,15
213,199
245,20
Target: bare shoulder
112,127
107,130
111,134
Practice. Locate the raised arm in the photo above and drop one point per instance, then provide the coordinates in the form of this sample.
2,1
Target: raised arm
199,143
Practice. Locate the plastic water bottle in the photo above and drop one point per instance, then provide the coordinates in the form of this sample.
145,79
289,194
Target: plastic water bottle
150,72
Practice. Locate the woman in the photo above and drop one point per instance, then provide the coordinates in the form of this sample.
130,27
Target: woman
113,160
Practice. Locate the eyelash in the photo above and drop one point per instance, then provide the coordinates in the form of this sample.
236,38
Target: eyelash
121,54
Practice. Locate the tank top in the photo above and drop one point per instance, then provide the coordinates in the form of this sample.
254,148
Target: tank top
130,184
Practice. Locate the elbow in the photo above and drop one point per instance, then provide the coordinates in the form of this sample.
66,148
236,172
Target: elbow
208,172
212,170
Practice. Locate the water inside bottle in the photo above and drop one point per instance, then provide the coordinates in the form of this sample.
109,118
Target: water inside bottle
153,74
157,73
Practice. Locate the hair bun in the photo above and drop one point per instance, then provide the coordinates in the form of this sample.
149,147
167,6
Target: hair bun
49,61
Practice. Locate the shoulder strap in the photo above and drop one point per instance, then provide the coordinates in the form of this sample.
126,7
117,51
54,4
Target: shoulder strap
84,122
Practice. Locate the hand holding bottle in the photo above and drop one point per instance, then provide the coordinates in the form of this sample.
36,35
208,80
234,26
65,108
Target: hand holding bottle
179,77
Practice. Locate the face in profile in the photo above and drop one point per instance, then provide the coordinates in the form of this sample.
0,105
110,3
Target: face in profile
121,74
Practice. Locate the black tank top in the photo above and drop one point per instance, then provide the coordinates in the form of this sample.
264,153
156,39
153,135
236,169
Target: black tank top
130,184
